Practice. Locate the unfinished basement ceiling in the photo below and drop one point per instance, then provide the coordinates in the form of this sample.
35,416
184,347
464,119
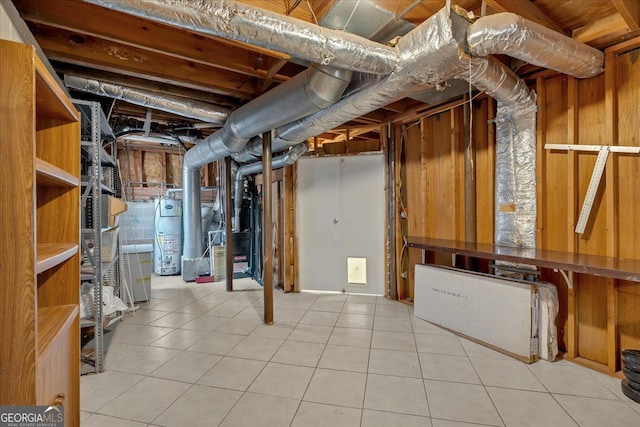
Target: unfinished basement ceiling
90,41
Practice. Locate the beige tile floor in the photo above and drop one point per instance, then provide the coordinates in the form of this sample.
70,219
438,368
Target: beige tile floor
199,356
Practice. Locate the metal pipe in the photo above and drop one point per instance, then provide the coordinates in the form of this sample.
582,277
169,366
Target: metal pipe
172,104
259,27
309,91
227,224
267,250
191,242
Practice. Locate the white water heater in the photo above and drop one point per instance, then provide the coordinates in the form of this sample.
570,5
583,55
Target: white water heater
167,245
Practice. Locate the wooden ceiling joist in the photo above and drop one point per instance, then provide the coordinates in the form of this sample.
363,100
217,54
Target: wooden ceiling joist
102,54
273,70
93,41
630,12
72,15
603,31
129,31
526,9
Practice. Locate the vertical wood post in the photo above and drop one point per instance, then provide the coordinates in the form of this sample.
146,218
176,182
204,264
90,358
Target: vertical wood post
267,267
228,214
572,192
388,138
611,201
470,221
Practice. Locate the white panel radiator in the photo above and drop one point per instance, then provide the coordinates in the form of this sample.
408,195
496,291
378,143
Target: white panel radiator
511,316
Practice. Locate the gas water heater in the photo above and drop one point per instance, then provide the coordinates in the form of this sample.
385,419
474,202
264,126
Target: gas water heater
168,237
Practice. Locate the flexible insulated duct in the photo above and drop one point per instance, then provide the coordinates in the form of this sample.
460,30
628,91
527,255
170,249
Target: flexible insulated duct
429,54
510,34
173,104
515,120
259,27
287,159
444,46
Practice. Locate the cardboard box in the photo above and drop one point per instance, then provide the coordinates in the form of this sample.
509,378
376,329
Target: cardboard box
111,207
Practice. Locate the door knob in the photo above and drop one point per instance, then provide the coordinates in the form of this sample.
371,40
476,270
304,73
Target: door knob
335,220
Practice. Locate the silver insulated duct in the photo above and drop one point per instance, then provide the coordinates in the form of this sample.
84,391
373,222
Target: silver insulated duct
172,104
287,159
515,120
259,27
309,91
510,34
515,191
445,46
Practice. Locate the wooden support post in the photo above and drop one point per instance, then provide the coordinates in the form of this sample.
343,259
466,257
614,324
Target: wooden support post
571,338
400,281
611,200
267,266
470,221
289,230
388,141
458,169
491,158
541,157
228,214
164,167
139,168
278,212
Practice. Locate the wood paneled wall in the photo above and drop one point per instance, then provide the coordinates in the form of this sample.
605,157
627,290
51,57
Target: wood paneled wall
604,110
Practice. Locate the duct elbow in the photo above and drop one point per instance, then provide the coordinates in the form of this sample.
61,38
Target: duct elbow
510,34
190,160
295,153
325,85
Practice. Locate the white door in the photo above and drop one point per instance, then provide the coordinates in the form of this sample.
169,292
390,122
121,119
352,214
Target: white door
341,223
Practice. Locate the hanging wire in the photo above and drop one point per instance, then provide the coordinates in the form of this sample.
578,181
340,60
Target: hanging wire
312,14
470,143
351,16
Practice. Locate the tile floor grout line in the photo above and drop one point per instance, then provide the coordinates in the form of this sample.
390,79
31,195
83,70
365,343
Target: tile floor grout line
172,403
424,381
315,369
133,347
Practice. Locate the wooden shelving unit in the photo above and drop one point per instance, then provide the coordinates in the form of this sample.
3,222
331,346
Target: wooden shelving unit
40,231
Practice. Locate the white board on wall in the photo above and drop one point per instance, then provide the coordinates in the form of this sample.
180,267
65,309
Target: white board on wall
340,215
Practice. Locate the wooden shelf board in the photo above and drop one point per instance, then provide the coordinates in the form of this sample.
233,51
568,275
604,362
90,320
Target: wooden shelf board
51,322
51,254
50,99
48,174
617,268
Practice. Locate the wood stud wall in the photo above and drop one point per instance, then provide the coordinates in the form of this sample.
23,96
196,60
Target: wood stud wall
599,316
145,171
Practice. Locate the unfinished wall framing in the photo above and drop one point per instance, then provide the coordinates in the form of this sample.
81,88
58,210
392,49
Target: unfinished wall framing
596,319
145,172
